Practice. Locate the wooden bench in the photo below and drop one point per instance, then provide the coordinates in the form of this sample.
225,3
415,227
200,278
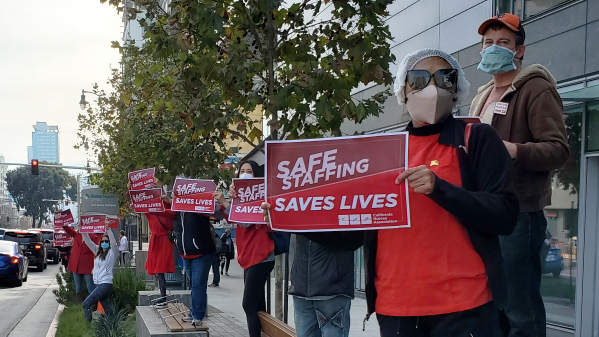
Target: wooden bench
272,327
173,315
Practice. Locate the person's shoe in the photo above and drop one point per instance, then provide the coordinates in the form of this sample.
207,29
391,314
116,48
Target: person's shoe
227,273
160,305
187,319
199,325
221,272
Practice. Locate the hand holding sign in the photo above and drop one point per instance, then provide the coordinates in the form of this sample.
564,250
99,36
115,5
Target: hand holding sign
421,179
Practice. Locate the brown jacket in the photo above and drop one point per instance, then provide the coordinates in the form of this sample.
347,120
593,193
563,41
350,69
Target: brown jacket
534,122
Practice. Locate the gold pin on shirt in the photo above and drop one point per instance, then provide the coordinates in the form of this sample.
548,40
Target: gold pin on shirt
434,162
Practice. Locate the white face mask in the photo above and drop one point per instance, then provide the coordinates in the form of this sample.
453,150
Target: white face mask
246,176
429,105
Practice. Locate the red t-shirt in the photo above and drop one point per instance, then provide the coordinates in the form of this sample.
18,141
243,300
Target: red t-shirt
253,244
430,268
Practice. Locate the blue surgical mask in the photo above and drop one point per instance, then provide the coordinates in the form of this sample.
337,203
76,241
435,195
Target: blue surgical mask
105,245
497,60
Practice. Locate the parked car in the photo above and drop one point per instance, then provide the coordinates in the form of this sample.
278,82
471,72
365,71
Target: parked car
53,252
2,230
13,263
554,262
32,244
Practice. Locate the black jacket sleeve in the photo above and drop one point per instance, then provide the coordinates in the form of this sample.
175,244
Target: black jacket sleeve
350,240
487,203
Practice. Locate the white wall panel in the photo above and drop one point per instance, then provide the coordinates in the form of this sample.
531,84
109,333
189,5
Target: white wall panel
427,39
451,8
461,31
399,5
415,19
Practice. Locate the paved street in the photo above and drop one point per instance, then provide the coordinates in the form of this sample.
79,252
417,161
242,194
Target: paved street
28,310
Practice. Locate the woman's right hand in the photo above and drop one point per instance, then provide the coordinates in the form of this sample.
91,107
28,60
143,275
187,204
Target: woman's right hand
220,197
265,207
232,191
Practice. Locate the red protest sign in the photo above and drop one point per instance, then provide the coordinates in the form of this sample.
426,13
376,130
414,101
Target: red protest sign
193,195
62,239
343,183
63,218
146,201
114,223
141,179
245,208
93,224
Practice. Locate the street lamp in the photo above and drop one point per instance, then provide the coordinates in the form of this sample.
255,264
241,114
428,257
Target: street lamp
83,102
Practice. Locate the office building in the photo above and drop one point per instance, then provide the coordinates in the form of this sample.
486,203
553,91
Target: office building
45,143
563,36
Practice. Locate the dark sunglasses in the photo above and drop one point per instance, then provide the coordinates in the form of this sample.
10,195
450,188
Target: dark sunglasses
444,78
104,241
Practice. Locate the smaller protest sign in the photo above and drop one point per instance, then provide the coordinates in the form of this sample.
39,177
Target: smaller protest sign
63,218
62,239
142,179
93,224
113,222
193,195
245,208
146,201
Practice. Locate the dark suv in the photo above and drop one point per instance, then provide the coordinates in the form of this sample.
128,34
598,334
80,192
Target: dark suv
32,244
52,251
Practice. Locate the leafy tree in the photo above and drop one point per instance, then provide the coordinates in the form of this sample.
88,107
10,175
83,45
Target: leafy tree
207,66
29,191
568,177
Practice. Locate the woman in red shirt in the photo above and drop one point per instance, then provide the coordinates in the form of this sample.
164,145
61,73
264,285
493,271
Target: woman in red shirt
160,252
255,254
81,262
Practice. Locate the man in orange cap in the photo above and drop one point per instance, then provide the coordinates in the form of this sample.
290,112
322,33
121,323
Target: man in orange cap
523,105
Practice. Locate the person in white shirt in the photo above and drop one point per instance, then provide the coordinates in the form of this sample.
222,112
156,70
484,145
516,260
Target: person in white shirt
106,255
123,248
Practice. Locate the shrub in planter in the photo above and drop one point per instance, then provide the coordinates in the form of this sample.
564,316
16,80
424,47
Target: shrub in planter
65,294
112,325
126,285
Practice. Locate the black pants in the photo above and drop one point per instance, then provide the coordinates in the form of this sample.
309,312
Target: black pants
215,269
482,321
225,264
522,255
162,286
254,294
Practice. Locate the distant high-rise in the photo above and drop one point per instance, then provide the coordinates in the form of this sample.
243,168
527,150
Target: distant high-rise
45,144
29,153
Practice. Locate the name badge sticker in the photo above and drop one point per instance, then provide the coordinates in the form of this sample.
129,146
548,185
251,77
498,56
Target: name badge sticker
501,108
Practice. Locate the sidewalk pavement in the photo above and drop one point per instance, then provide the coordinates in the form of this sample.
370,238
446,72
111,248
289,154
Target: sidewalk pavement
227,298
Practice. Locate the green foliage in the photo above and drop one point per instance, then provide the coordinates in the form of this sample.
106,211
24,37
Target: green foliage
126,285
568,176
72,323
29,191
65,294
114,325
210,70
558,287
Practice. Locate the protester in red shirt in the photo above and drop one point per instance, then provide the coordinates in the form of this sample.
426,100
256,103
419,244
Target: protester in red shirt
81,262
255,254
444,276
160,252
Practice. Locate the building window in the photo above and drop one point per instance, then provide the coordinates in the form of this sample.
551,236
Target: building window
526,9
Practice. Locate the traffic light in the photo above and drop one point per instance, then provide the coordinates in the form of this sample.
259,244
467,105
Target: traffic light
7,219
35,170
66,202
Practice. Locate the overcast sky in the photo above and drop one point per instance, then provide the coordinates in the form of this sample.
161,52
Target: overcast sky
49,51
